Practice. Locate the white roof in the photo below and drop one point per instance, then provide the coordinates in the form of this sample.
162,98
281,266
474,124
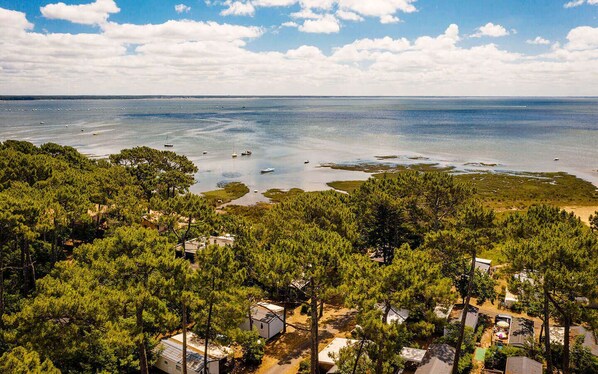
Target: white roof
398,315
413,354
483,260
510,297
333,348
196,344
443,311
270,307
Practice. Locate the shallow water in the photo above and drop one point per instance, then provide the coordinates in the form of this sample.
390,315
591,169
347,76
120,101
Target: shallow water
515,133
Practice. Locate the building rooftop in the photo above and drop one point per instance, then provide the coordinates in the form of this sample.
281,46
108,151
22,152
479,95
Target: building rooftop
395,315
333,348
174,352
438,359
471,319
482,264
266,312
196,344
413,354
522,365
521,331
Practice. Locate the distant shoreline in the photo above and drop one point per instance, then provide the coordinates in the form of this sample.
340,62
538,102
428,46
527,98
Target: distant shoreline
147,97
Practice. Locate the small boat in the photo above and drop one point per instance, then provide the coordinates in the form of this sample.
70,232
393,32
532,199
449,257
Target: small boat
168,145
306,162
234,154
255,191
556,159
41,123
95,133
267,170
246,153
205,152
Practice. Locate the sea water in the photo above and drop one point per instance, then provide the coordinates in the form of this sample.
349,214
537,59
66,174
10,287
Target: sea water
511,134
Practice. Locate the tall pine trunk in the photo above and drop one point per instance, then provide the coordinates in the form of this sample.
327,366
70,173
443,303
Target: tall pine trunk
314,328
380,360
208,326
143,367
566,368
547,333
464,315
184,337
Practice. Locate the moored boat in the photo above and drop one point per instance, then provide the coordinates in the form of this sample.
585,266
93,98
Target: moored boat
267,170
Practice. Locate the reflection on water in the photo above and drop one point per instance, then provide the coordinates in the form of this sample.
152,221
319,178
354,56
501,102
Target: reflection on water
517,134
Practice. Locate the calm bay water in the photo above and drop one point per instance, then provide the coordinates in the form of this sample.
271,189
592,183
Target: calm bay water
517,134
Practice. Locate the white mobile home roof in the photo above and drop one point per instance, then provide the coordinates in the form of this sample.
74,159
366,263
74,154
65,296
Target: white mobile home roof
334,347
196,344
413,354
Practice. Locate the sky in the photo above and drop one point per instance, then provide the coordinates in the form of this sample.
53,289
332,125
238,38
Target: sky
299,47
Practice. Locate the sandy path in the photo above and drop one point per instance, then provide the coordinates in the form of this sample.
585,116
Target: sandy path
583,212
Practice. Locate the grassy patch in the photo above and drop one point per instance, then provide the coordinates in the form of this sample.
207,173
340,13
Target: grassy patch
346,186
386,157
505,192
278,195
376,167
521,190
254,213
230,192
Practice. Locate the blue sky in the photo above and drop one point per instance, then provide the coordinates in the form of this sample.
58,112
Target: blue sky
355,47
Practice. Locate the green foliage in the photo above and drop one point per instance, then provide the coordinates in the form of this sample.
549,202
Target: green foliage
594,221
584,362
158,172
21,361
346,359
561,257
496,357
253,348
393,211
412,281
452,337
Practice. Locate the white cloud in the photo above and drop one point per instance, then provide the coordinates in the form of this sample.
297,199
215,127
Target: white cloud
306,14
385,19
538,40
87,14
238,8
189,57
290,24
348,16
377,8
576,3
327,24
182,8
11,20
348,10
491,30
582,38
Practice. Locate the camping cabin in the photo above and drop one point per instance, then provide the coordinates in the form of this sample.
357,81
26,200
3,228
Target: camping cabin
522,365
395,314
191,248
471,319
325,359
170,355
222,241
439,359
522,330
266,319
483,265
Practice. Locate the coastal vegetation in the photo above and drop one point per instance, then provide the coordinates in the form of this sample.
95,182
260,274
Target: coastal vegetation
498,190
93,271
